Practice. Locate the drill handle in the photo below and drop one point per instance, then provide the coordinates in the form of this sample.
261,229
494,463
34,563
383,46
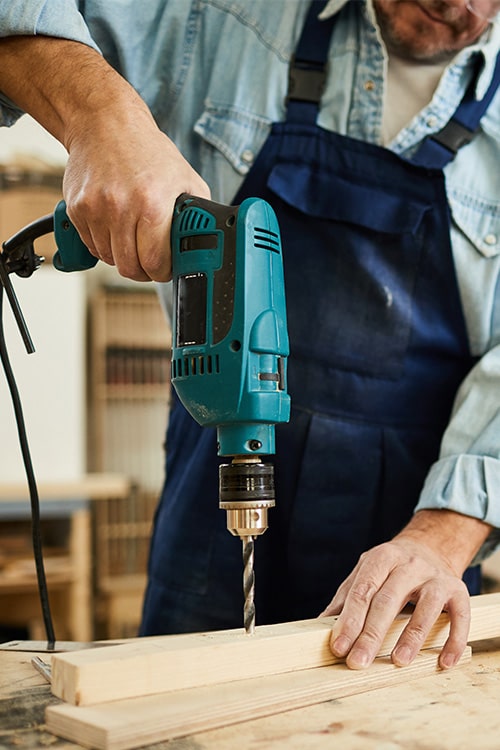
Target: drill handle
72,254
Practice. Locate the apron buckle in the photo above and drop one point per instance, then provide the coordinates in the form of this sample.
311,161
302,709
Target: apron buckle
306,80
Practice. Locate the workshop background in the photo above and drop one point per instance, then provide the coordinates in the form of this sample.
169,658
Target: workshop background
95,401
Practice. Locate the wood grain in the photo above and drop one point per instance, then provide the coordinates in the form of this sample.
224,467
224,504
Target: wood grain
168,663
121,725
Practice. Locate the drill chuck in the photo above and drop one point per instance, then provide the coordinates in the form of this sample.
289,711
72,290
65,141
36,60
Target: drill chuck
246,492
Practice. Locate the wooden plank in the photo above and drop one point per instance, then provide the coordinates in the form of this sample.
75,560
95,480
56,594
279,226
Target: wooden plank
156,665
121,725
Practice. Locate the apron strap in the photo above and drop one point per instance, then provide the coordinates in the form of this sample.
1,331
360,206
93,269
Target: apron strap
439,149
308,67
307,79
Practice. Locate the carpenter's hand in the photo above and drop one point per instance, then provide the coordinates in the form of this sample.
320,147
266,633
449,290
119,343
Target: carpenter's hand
123,174
120,186
418,566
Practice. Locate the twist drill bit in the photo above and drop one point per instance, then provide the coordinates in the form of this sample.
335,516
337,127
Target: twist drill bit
246,492
248,585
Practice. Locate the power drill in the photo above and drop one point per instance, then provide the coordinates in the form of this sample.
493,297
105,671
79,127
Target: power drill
230,345
230,341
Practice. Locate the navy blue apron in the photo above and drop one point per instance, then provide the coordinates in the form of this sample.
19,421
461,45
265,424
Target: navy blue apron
378,350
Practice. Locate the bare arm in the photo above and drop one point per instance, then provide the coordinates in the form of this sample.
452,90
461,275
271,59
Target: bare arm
123,174
422,564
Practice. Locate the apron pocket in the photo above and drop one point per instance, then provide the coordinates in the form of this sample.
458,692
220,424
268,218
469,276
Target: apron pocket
353,284
185,524
332,197
335,505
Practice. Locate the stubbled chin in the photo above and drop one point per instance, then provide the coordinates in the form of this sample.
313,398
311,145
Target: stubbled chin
418,43
421,53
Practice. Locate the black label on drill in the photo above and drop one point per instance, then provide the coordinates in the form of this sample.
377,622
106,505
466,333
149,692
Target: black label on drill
192,310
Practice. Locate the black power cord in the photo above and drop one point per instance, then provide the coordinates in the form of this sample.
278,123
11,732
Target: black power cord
33,490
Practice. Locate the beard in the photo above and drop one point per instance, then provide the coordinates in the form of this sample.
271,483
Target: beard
426,30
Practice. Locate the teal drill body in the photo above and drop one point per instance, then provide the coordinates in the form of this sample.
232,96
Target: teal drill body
230,340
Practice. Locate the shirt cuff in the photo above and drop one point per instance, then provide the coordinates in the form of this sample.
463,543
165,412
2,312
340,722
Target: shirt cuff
59,18
469,485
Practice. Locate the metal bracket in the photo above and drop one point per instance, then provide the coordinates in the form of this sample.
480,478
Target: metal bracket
59,646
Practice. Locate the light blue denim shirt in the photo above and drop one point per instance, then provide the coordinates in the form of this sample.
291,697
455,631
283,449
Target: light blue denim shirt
214,73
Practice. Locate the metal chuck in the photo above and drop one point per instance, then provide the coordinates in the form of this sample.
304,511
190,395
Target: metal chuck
246,490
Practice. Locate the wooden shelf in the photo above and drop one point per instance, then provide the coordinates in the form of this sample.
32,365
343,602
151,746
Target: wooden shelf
130,344
66,510
132,392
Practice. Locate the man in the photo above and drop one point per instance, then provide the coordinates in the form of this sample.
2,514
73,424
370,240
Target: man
379,341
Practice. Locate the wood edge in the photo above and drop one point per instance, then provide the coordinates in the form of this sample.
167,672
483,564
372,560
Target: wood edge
75,673
64,683
89,726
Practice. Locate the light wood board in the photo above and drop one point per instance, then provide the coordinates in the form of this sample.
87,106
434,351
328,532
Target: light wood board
121,725
156,665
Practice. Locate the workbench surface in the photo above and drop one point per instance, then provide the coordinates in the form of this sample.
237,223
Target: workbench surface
452,710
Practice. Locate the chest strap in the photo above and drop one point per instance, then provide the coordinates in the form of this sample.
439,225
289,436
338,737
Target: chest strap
439,149
308,67
307,79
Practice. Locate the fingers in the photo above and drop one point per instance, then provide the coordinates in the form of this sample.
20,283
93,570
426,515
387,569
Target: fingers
384,580
138,246
373,601
429,606
120,188
427,610
128,233
459,612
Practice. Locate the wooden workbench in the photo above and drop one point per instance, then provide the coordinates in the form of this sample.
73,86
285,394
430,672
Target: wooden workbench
69,583
455,710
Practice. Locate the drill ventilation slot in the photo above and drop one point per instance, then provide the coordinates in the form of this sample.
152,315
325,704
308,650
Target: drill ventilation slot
196,365
266,240
194,220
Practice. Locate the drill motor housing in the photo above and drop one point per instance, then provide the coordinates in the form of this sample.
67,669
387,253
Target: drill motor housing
230,340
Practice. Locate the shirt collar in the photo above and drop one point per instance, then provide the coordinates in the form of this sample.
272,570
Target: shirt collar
332,7
488,47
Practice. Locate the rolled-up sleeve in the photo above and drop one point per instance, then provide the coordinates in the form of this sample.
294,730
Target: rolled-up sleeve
466,479
57,18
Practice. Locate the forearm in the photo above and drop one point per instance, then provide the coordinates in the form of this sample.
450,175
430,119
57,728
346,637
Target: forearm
123,174
466,478
64,85
453,536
